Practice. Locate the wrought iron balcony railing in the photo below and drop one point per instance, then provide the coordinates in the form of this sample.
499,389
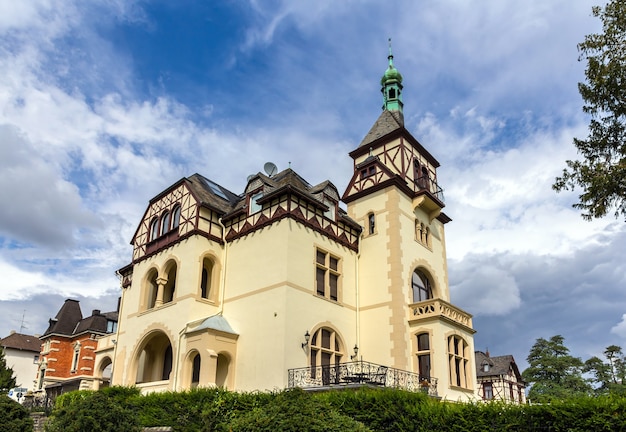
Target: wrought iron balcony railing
360,373
427,183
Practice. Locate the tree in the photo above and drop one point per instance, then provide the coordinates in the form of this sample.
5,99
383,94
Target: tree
553,372
7,380
609,375
602,171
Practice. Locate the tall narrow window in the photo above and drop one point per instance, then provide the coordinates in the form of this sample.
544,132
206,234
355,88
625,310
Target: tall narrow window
176,217
458,358
207,275
327,275
487,391
422,289
42,376
165,223
195,371
423,356
154,229
76,356
170,286
371,223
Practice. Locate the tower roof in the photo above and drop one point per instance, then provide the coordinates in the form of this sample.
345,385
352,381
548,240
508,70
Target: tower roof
387,122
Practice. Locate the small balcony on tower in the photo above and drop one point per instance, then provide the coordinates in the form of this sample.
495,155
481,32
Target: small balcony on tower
440,310
428,196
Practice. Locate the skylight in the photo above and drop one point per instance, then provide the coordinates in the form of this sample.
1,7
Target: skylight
215,189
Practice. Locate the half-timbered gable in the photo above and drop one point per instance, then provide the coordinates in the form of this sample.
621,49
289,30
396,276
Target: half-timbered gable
192,205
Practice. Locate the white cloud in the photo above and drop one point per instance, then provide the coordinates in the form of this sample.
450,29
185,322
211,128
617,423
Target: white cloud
619,329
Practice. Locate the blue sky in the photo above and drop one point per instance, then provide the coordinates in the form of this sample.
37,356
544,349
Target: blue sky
103,104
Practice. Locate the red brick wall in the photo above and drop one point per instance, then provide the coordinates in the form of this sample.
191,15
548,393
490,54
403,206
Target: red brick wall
60,362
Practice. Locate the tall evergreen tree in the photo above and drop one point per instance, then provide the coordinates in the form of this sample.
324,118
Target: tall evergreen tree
601,172
609,375
553,372
7,380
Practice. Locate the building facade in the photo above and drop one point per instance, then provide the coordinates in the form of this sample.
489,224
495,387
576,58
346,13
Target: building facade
73,357
280,286
499,378
21,353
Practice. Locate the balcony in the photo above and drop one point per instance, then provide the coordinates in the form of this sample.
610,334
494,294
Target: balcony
358,374
437,308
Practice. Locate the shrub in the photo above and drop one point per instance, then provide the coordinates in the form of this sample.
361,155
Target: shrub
14,417
87,410
295,410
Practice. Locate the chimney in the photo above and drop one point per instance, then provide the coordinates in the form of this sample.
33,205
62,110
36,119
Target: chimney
95,312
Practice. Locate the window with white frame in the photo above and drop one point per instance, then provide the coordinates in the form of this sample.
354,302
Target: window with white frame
76,356
458,359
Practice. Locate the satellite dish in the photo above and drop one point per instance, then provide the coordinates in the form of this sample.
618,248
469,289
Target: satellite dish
250,177
270,168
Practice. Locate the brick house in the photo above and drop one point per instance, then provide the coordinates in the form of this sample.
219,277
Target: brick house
68,349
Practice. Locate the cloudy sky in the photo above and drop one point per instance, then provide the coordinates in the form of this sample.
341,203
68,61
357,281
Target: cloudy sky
103,104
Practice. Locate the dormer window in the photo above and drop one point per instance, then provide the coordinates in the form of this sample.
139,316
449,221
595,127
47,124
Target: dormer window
486,367
253,206
368,172
330,213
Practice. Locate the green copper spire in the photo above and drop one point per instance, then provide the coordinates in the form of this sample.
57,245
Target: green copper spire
391,83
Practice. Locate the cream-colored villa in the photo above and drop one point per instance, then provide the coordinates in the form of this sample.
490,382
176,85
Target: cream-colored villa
279,286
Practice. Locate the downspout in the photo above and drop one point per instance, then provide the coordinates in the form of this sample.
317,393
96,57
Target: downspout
224,258
358,298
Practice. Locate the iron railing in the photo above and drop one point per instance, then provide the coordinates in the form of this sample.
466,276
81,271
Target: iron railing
359,373
431,186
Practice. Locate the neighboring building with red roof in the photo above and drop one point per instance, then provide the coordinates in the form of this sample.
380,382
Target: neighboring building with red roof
499,378
68,350
21,352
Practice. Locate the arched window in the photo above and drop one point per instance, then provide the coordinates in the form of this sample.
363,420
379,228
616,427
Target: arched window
170,285
165,223
176,217
221,371
458,357
423,356
371,223
422,289
207,275
154,229
326,354
151,289
195,371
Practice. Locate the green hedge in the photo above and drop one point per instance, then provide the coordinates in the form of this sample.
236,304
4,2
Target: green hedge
13,416
205,410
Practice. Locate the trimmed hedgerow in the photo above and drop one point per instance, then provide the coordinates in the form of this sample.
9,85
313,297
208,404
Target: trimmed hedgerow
206,410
